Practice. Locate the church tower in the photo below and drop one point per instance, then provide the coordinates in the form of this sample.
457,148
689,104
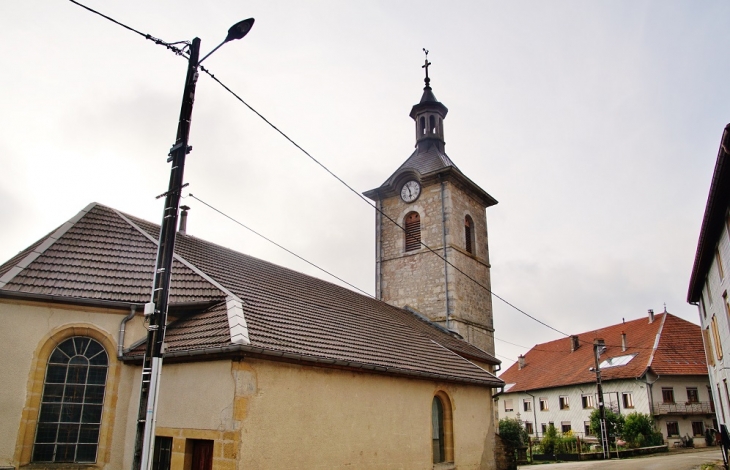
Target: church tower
440,208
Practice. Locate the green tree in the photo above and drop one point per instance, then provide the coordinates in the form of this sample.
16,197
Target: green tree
512,432
614,424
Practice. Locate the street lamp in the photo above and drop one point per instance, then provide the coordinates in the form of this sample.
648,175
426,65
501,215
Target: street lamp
156,310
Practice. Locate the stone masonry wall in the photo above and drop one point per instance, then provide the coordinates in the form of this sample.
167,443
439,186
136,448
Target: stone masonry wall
416,278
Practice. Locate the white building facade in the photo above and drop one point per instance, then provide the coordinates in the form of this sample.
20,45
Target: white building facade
561,389
710,280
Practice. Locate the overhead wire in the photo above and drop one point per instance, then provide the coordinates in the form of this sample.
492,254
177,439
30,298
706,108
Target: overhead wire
181,52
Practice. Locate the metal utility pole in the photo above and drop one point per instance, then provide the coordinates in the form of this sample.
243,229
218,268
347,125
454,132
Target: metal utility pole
156,309
597,345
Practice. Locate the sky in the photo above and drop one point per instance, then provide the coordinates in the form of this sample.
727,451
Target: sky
594,124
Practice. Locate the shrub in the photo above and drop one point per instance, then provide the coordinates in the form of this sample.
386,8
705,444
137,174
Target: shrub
512,432
638,430
549,441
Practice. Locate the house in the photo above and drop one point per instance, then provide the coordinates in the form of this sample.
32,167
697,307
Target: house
653,365
264,367
709,283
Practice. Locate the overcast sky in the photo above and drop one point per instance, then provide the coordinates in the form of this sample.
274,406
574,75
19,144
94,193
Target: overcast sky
594,124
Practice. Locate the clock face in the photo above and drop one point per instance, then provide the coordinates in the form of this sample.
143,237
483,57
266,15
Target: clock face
410,191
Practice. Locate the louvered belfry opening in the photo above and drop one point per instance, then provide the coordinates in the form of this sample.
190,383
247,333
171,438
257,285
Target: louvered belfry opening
413,231
468,234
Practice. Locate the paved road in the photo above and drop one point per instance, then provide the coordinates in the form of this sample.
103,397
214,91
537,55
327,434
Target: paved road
669,461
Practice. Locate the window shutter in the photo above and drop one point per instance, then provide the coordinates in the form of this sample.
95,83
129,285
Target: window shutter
413,231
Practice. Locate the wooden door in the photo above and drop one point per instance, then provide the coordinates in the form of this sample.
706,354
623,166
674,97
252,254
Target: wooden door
202,455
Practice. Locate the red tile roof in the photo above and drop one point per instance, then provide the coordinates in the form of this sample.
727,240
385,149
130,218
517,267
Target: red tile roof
109,256
679,351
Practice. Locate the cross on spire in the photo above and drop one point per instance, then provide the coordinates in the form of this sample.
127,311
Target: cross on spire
425,66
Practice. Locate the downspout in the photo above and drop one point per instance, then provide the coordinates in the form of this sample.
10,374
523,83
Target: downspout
534,410
446,263
122,327
378,248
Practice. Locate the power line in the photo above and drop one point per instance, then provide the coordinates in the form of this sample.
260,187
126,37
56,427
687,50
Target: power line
168,45
274,243
178,51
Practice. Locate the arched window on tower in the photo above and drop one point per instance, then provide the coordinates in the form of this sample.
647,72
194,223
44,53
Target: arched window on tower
432,124
442,429
413,231
469,234
72,402
422,122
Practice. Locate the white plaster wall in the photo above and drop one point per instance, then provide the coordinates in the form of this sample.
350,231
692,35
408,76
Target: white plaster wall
714,304
24,327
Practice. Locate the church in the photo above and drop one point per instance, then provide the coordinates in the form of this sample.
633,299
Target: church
264,367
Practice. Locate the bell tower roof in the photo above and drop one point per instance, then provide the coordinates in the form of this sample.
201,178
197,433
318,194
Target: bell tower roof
429,161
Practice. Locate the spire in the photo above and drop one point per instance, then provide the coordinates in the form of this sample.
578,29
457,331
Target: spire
429,115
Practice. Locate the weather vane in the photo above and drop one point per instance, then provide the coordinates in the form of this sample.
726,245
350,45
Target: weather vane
425,66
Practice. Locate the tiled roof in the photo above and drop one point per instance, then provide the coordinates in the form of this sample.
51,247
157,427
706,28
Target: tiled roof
100,256
109,255
424,162
679,351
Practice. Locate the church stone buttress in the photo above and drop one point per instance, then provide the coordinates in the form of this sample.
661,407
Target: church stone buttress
438,206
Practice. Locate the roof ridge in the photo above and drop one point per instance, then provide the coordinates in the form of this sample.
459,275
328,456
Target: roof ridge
657,340
234,304
40,249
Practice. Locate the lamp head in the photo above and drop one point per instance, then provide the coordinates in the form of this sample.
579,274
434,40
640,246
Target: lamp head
239,30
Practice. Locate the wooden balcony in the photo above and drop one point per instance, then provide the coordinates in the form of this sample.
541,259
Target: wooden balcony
689,408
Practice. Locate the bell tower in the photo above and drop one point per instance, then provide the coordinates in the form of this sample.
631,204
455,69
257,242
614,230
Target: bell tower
439,209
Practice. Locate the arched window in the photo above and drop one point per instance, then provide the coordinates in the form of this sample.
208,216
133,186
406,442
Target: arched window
423,125
469,234
72,402
432,124
413,231
442,429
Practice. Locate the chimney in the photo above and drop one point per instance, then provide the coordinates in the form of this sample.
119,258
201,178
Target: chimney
574,343
183,219
623,341
651,315
520,362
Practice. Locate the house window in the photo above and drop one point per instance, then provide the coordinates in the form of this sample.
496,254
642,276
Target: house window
442,429
667,394
726,303
526,405
528,428
698,428
163,453
72,401
565,426
692,395
543,404
564,405
508,405
469,234
413,231
587,428
543,428
586,401
672,428
720,270
628,400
